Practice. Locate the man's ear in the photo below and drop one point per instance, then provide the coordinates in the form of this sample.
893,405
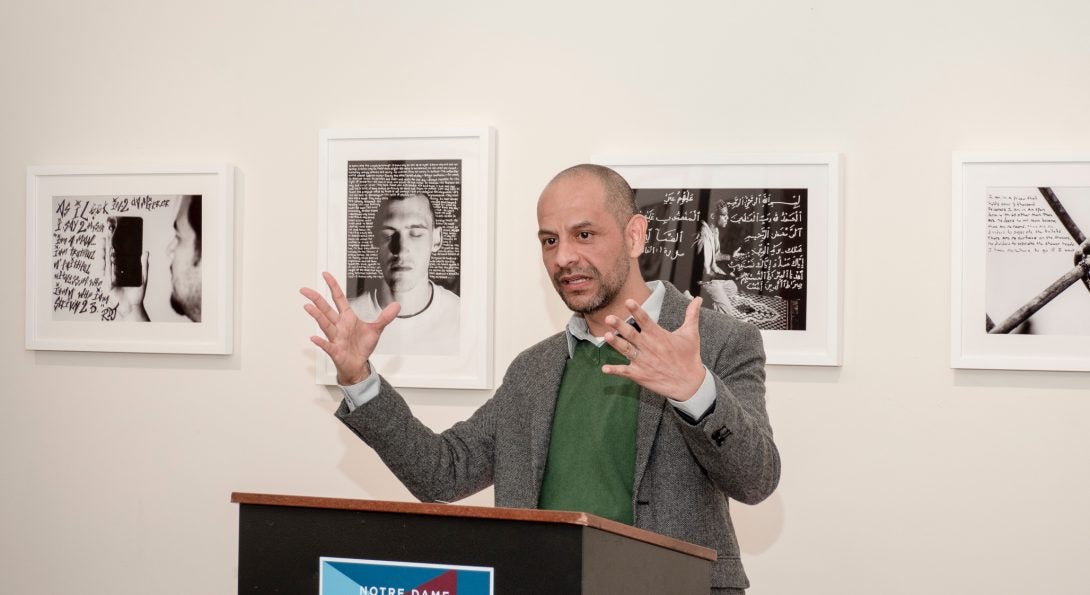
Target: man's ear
635,234
436,239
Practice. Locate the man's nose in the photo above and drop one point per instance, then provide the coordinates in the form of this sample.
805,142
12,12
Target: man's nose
395,244
565,254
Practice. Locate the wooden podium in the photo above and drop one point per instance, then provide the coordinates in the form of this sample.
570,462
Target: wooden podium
281,539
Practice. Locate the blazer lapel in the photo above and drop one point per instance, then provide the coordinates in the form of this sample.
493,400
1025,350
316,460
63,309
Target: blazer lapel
652,404
647,427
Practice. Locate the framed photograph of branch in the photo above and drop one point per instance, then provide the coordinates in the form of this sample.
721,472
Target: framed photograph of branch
135,259
1020,286
406,216
757,236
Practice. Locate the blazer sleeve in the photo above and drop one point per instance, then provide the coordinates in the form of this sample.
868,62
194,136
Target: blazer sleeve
733,442
446,466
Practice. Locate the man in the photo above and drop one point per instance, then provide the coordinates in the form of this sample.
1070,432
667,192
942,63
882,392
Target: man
406,236
716,284
660,436
185,259
184,252
710,243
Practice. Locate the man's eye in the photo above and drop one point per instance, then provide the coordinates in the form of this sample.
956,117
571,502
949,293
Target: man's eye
416,233
585,235
548,242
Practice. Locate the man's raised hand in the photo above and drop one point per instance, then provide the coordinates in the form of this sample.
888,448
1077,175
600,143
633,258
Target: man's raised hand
665,362
348,341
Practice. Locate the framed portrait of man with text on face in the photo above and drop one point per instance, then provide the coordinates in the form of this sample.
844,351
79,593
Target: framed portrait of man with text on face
130,259
405,217
403,245
755,236
1020,285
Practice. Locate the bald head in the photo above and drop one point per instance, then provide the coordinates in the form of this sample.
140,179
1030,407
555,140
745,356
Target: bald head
620,199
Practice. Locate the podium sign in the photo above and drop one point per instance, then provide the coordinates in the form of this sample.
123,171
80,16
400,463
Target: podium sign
374,577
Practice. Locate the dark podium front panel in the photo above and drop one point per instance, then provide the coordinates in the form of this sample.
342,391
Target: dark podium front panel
281,540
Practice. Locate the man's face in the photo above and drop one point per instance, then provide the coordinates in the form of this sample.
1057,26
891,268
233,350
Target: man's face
185,266
405,236
583,246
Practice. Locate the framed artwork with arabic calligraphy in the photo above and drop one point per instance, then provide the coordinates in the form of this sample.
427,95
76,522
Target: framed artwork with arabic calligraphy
1020,284
756,236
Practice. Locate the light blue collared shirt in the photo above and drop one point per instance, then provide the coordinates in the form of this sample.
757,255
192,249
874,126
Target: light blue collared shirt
696,407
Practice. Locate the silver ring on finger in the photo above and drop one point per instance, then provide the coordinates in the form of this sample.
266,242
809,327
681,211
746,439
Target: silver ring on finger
635,354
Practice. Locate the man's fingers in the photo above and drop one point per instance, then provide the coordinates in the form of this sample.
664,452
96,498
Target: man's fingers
335,292
324,345
319,303
692,312
310,294
623,346
639,314
323,321
388,314
622,371
622,328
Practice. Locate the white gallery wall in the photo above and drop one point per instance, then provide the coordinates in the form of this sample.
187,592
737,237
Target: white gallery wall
900,475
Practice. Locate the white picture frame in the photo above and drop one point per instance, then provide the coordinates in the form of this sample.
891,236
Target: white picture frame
71,301
1016,300
455,168
815,339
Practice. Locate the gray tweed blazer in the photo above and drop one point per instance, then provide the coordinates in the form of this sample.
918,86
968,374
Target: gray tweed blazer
685,472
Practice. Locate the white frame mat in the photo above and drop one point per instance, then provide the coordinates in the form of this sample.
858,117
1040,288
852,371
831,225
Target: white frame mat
1016,300
470,365
68,213
820,343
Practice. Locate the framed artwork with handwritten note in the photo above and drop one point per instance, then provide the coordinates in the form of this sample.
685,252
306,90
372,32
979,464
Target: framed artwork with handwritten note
756,236
406,216
130,259
1020,286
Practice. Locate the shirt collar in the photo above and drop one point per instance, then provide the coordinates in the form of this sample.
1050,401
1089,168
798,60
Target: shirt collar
578,330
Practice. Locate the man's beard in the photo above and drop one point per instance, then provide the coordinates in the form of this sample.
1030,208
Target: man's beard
179,306
608,286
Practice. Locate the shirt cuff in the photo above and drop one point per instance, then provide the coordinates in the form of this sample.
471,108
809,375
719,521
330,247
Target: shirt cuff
701,402
357,395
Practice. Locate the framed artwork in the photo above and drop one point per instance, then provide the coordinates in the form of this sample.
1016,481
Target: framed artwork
757,236
135,259
1020,286
406,216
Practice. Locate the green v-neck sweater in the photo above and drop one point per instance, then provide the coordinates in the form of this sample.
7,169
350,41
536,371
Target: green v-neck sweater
592,449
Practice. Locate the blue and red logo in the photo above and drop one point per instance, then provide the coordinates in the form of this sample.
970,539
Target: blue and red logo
340,576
